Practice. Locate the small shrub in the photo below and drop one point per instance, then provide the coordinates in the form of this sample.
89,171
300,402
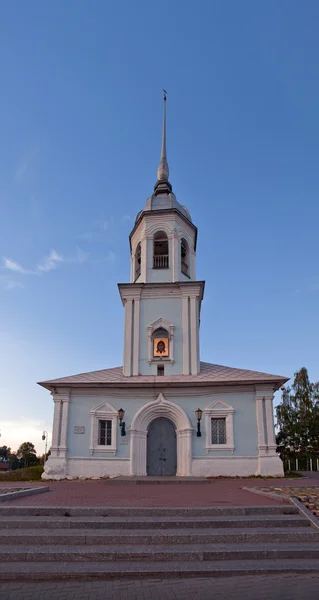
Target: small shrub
27,474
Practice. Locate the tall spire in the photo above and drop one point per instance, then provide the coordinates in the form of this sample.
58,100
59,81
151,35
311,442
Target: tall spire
162,185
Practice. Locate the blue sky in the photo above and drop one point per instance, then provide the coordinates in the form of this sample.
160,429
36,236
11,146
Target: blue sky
80,122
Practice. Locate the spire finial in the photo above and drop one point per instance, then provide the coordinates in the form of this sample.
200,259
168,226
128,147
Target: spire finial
163,185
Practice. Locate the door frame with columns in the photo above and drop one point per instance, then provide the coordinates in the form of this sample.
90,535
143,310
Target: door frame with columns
161,407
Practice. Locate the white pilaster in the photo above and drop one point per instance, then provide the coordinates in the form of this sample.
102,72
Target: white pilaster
64,425
270,421
127,368
269,462
193,265
56,425
136,345
175,257
144,260
193,336
185,321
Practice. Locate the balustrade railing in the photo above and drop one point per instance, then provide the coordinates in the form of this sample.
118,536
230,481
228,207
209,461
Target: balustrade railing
160,261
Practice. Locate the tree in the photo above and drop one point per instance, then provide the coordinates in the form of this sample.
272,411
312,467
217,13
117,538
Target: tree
27,453
4,452
298,415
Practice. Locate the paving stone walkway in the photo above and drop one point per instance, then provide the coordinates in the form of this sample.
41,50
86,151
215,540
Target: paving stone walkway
220,492
253,587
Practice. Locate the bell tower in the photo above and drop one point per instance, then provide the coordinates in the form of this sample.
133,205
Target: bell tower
163,299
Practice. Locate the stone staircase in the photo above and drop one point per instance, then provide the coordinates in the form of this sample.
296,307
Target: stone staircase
72,543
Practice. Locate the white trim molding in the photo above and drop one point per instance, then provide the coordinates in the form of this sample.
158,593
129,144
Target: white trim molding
161,323
109,413
140,424
220,410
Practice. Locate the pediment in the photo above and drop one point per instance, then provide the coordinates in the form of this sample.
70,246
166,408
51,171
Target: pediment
219,405
159,323
104,408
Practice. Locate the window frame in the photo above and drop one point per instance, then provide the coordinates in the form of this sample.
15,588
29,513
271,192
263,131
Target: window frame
220,410
103,412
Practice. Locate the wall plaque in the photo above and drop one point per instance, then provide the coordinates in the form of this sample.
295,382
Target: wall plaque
79,429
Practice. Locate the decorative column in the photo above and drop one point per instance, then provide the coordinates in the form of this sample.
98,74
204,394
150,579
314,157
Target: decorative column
193,336
127,363
184,452
56,425
144,260
64,425
136,336
269,462
185,322
193,264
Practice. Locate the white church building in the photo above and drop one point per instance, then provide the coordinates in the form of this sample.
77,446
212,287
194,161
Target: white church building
164,412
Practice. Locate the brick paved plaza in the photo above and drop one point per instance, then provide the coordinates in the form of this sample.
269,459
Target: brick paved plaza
253,587
220,492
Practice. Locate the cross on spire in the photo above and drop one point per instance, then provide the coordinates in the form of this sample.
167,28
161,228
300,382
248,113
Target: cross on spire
162,185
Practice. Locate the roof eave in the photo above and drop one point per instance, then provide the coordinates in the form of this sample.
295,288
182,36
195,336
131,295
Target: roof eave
276,383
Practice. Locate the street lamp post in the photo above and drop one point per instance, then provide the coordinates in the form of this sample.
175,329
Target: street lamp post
45,437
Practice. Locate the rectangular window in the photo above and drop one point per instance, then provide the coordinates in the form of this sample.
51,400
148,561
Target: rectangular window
160,370
105,433
219,431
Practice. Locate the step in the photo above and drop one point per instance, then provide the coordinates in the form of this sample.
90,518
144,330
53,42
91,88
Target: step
157,480
180,553
113,511
24,570
155,522
154,536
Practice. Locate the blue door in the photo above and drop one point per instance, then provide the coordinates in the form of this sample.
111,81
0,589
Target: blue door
161,448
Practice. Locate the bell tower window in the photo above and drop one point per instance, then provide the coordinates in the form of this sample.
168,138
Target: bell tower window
184,257
160,252
137,261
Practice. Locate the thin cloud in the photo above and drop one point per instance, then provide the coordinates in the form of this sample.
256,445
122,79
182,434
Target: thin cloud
50,262
12,265
79,257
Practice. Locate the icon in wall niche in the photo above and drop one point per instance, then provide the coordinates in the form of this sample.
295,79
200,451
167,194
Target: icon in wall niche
161,347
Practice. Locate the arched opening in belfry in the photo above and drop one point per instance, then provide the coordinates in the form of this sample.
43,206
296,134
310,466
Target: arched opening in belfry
137,263
184,257
160,251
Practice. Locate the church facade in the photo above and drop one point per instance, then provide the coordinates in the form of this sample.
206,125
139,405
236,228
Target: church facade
164,412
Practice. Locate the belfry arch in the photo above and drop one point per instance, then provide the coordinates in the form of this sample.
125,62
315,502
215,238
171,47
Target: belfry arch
146,414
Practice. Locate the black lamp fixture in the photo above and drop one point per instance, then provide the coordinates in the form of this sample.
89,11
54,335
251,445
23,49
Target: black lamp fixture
198,414
121,414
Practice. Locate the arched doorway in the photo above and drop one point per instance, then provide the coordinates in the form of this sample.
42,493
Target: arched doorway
161,458
139,430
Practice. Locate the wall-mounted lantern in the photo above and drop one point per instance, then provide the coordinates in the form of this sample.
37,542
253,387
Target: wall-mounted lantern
121,414
198,414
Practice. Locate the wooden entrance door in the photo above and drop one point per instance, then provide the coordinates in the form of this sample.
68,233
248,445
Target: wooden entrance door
161,448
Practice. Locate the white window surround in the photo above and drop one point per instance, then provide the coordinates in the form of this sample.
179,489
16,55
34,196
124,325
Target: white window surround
106,412
169,327
219,410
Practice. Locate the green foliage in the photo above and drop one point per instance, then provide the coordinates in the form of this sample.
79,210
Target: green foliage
298,417
26,452
4,451
27,474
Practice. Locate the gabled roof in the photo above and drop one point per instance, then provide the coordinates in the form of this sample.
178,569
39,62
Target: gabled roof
210,374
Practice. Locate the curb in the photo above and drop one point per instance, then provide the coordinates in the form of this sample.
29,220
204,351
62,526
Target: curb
22,493
314,522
